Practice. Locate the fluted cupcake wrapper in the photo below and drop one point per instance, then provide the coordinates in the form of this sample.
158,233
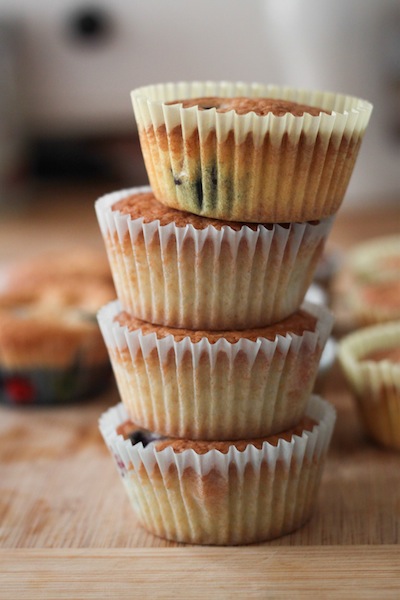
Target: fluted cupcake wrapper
211,278
221,390
215,498
249,167
375,384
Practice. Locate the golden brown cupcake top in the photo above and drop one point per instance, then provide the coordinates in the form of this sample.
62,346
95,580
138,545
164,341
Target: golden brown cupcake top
129,430
297,324
56,298
385,294
244,105
390,354
146,207
78,264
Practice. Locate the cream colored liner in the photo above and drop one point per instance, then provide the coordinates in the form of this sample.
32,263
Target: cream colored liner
195,163
375,384
350,115
216,390
216,498
184,277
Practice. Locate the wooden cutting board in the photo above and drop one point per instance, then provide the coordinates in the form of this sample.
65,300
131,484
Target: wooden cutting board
67,530
65,518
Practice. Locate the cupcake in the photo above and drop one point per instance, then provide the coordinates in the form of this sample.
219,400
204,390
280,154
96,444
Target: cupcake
374,302
252,153
225,493
51,349
216,385
180,270
367,288
79,263
370,358
376,260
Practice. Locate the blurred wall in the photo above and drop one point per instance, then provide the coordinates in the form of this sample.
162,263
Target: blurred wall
79,61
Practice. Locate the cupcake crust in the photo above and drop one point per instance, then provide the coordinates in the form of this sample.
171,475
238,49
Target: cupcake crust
202,446
296,324
145,206
244,105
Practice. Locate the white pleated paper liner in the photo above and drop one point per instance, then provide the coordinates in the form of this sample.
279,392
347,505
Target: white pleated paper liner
214,498
249,167
221,390
211,278
375,384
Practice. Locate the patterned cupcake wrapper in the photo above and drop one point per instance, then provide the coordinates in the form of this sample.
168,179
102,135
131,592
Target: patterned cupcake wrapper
215,498
35,386
209,279
375,384
249,167
201,390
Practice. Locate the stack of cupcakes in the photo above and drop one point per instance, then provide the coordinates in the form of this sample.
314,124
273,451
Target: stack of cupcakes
218,439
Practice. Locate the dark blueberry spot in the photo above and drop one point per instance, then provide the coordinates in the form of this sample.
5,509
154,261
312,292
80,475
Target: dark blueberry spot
207,107
140,436
177,181
88,316
214,176
199,192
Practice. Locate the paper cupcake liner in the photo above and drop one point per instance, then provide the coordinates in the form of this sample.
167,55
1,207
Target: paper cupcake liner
376,260
209,279
249,167
239,497
204,390
375,385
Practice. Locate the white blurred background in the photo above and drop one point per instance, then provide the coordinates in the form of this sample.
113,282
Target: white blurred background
67,67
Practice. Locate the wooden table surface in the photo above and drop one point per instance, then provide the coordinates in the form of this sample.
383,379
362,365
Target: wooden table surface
67,529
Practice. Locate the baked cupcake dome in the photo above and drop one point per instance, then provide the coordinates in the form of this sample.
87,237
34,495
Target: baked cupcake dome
78,264
216,385
294,165
224,493
181,270
370,359
375,260
374,301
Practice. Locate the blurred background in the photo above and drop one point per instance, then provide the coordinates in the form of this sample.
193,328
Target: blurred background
67,68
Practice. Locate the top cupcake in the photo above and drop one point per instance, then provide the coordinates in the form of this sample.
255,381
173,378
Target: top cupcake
250,153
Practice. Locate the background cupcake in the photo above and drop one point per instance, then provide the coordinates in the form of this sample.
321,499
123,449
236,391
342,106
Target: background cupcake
370,358
367,289
51,349
257,153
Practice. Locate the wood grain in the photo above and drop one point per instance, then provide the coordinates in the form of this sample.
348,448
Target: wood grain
362,572
66,526
59,487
